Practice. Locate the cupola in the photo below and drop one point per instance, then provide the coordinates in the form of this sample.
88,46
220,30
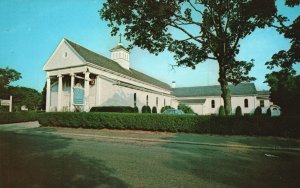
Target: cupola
120,55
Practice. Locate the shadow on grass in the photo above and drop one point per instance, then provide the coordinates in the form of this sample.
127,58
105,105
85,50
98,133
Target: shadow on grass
236,168
33,160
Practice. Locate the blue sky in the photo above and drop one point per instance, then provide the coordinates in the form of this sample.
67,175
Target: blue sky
30,30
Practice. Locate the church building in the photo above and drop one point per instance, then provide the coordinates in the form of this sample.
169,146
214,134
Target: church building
79,79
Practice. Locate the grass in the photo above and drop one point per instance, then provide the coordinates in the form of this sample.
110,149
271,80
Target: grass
40,157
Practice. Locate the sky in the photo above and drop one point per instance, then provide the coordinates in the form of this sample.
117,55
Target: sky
30,30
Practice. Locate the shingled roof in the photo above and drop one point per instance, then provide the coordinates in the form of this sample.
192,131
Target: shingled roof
107,63
215,90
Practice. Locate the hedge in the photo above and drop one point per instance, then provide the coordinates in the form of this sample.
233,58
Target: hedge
233,125
16,117
125,109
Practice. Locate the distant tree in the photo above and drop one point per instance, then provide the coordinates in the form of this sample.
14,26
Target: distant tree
185,108
238,111
7,76
29,97
221,111
43,98
283,81
194,31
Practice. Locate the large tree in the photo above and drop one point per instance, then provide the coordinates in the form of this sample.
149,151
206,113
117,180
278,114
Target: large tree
7,76
193,30
283,81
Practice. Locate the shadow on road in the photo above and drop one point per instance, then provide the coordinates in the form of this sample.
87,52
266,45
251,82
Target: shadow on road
37,160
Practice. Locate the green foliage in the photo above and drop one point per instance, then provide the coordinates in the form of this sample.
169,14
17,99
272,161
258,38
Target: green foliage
232,125
29,97
135,109
185,108
43,98
146,109
283,81
165,108
124,109
257,111
154,110
238,111
15,117
221,111
7,76
151,24
269,113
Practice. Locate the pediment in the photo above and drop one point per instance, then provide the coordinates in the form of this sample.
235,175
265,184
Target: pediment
64,56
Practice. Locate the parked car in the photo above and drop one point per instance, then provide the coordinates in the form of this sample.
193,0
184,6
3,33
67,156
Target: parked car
173,111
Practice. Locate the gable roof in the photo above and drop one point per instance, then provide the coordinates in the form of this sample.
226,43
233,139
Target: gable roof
215,90
107,63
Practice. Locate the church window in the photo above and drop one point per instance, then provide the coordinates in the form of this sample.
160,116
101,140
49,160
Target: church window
164,102
212,103
147,100
246,103
156,101
134,98
262,103
65,54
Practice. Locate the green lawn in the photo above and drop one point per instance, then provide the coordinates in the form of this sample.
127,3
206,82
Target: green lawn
42,157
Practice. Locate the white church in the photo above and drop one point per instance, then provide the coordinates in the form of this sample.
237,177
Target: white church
79,79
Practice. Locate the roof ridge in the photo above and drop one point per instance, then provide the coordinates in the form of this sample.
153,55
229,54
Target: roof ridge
102,61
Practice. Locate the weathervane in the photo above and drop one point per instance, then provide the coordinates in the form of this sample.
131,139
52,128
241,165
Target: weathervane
120,38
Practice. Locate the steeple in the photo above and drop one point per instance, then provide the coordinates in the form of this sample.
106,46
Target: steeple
120,54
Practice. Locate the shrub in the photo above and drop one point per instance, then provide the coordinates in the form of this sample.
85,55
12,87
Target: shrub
15,117
165,108
238,111
135,109
258,111
221,111
269,113
185,108
125,109
232,125
154,110
146,109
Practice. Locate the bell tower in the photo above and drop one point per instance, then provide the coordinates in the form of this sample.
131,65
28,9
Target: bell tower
120,55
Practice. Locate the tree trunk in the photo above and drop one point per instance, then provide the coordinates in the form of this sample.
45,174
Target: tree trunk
226,94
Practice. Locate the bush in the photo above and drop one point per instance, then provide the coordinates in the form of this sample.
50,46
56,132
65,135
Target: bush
238,111
16,117
221,111
258,111
146,109
125,109
165,108
232,125
154,110
185,108
269,113
135,109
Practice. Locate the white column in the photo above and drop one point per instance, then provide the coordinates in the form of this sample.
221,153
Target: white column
98,91
48,95
59,94
86,91
72,93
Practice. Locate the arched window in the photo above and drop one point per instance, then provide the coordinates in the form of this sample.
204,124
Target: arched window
164,102
246,103
147,100
134,99
156,101
212,103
